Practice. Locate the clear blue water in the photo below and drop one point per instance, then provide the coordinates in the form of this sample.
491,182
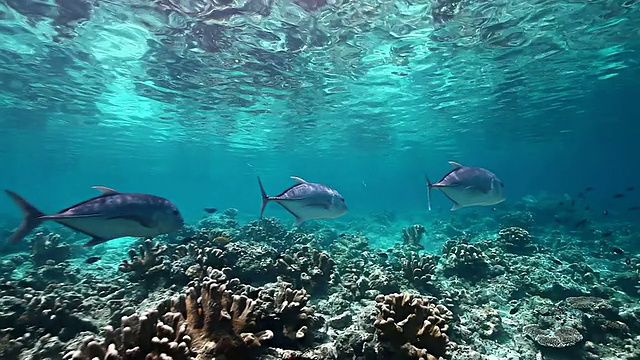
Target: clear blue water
192,100
168,100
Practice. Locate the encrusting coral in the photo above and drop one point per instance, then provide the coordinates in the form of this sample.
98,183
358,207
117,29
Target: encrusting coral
411,327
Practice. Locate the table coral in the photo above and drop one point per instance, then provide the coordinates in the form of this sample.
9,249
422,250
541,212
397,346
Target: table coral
560,337
411,327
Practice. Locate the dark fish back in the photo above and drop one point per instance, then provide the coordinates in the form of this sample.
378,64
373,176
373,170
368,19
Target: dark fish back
283,195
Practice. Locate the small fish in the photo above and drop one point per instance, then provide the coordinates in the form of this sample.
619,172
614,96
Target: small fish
210,210
306,201
630,188
573,202
580,223
561,203
618,196
588,189
556,261
223,240
383,255
605,212
586,208
617,251
634,208
606,234
627,261
468,186
514,310
92,259
108,216
580,195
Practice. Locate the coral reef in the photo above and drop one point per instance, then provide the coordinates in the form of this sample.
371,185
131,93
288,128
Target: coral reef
147,263
412,236
410,327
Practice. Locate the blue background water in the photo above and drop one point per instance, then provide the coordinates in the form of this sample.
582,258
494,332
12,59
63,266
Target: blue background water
106,108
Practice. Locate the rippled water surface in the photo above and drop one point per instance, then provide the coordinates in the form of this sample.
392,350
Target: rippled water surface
103,81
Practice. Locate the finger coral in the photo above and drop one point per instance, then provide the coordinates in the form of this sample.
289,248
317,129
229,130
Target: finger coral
410,327
146,262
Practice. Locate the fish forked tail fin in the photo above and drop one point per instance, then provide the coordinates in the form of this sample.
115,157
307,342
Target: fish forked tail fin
31,218
429,186
265,197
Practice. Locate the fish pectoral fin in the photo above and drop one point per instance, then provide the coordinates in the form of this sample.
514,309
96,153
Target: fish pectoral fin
95,241
105,190
299,180
456,206
298,221
455,164
148,223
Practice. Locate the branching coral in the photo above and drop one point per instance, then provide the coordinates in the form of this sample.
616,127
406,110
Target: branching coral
48,247
464,260
411,327
145,264
286,311
412,235
307,268
515,240
419,269
146,337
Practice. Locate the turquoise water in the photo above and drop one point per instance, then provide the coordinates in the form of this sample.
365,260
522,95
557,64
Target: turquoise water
192,100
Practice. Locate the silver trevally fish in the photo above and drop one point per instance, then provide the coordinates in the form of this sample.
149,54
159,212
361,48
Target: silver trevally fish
105,217
306,201
469,186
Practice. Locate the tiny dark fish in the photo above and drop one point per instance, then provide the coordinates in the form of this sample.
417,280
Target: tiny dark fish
573,202
627,261
514,310
383,255
618,196
617,251
630,188
587,208
580,223
607,234
210,210
605,212
561,203
556,261
634,208
588,189
580,195
92,259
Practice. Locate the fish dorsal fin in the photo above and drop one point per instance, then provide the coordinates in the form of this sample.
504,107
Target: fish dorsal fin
455,164
105,190
299,180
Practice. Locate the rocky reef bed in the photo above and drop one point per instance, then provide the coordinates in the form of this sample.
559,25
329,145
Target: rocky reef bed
221,290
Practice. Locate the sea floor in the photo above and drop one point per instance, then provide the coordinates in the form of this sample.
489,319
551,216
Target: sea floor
523,283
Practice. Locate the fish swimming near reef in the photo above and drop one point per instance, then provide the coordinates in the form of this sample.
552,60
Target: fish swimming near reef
108,216
469,186
306,201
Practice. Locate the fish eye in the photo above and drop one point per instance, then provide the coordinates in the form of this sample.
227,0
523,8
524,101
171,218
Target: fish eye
176,212
501,184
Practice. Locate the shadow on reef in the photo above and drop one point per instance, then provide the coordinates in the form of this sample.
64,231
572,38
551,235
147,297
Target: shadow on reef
221,290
